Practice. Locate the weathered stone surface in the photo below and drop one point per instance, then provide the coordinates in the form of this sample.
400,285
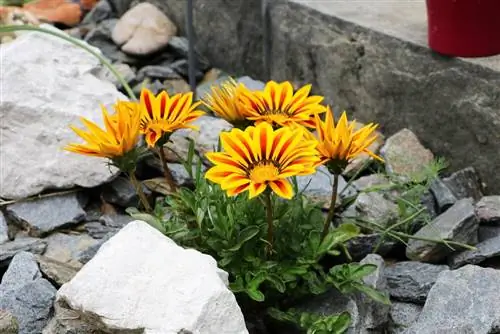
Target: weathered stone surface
372,207
459,223
58,272
42,216
179,46
364,244
26,295
411,281
131,266
124,70
465,183
157,72
488,210
487,232
318,187
4,229
38,67
487,249
402,316
143,30
120,6
465,300
101,11
8,323
372,181
9,249
178,171
66,248
404,154
121,192
443,196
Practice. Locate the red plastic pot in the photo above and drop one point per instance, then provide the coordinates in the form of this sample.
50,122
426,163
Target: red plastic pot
464,28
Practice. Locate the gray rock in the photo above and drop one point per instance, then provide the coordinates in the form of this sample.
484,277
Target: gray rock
462,301
125,71
250,83
26,295
155,87
402,316
488,232
67,247
429,203
411,281
459,223
404,154
116,221
98,230
364,244
318,187
42,216
465,183
157,72
86,255
101,11
67,321
485,250
181,66
379,182
120,6
178,171
107,225
179,46
4,229
58,272
372,207
488,210
22,269
121,192
9,249
8,323
443,195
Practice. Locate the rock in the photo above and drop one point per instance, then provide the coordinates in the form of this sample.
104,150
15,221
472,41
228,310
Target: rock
42,216
372,207
26,295
180,47
488,210
410,281
143,30
58,272
404,154
32,67
178,171
318,187
402,316
155,87
115,221
181,66
204,88
189,282
429,203
462,301
465,183
107,224
86,255
125,71
364,244
8,323
67,321
443,195
361,161
459,223
9,249
370,182
101,11
121,192
176,86
55,11
66,248
120,7
98,230
250,83
488,232
4,229
157,72
485,250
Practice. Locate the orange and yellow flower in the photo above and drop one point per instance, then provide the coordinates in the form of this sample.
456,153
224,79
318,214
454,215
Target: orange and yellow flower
278,105
339,144
163,114
117,139
224,100
259,157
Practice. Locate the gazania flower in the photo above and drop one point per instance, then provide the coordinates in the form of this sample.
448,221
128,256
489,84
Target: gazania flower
260,157
224,101
116,140
278,105
161,115
339,144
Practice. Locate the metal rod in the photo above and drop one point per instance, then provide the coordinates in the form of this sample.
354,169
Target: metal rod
191,54
265,38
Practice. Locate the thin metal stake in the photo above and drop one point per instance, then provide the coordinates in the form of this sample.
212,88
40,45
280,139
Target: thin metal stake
266,40
191,54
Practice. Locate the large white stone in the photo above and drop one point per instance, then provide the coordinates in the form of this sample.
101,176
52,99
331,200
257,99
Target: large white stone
46,85
141,279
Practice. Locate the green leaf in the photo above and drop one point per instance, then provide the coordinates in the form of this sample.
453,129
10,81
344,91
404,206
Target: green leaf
358,271
255,295
245,235
151,220
277,282
372,293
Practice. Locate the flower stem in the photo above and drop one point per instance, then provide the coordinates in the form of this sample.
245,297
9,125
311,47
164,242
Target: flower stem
331,211
269,214
166,171
140,193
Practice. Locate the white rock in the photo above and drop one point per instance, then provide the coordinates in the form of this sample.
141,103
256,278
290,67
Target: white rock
141,279
47,85
143,29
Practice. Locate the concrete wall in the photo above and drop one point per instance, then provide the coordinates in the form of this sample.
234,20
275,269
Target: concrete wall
452,105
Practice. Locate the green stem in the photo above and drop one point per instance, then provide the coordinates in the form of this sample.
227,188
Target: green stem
85,46
166,171
269,215
331,211
140,193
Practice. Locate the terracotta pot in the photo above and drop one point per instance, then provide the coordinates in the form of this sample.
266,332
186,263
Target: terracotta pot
464,28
